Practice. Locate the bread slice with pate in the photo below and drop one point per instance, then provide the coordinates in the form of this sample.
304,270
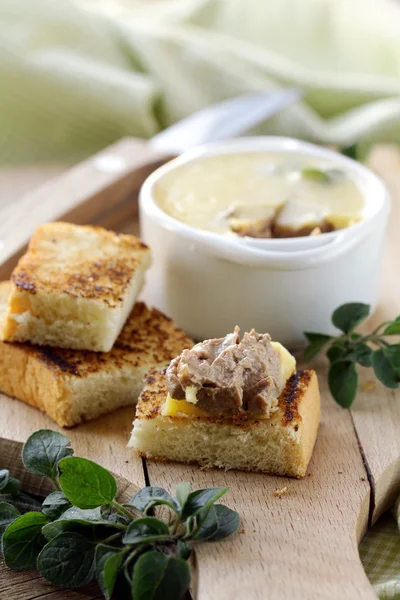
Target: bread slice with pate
280,442
73,386
75,287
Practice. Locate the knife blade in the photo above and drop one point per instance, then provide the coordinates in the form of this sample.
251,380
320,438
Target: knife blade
223,120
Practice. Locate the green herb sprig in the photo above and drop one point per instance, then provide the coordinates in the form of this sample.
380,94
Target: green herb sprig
80,532
351,348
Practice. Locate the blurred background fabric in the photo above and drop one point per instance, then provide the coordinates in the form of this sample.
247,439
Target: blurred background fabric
74,79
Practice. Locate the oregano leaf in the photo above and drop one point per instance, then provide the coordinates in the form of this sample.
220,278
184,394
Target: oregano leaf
23,540
202,500
317,341
343,379
147,529
160,577
108,561
182,492
148,495
383,369
55,504
348,316
68,560
43,450
85,483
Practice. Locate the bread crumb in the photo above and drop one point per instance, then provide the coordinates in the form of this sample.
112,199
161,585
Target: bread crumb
340,472
368,386
316,231
362,478
282,492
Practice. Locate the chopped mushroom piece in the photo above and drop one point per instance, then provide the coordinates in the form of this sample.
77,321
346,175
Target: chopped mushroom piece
258,228
297,219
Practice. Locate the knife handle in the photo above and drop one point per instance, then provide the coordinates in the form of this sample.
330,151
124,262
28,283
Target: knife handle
93,187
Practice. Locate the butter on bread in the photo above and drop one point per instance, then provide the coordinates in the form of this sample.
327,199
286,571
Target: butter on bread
282,444
75,287
73,386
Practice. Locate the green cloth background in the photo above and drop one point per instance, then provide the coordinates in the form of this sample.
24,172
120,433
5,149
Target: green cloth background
380,555
73,80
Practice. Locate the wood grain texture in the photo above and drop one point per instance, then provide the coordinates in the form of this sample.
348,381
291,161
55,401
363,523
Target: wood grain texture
103,440
78,195
304,544
376,412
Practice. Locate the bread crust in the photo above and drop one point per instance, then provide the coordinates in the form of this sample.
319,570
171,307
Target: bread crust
99,266
56,379
295,424
74,287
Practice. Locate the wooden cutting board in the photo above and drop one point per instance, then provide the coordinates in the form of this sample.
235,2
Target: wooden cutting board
301,544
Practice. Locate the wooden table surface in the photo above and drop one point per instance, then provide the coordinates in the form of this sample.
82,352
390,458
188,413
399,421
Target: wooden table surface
304,544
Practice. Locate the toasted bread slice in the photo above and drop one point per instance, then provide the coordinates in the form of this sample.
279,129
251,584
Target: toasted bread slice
75,287
279,445
74,386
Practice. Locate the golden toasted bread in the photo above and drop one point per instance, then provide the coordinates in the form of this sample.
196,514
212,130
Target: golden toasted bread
281,444
73,386
75,287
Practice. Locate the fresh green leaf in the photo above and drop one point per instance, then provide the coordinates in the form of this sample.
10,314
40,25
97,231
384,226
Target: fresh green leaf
228,522
146,495
393,328
336,352
129,564
315,174
91,514
393,354
86,484
75,520
43,450
317,342
55,504
23,539
53,529
201,500
182,492
159,577
221,522
363,354
147,529
355,336
209,525
68,560
110,514
348,316
8,514
343,381
384,369
184,550
108,561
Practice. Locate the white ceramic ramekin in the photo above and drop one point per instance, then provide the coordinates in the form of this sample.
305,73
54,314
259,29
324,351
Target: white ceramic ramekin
208,283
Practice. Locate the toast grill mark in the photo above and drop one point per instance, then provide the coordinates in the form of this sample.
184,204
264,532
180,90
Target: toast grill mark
51,357
291,396
22,281
145,334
